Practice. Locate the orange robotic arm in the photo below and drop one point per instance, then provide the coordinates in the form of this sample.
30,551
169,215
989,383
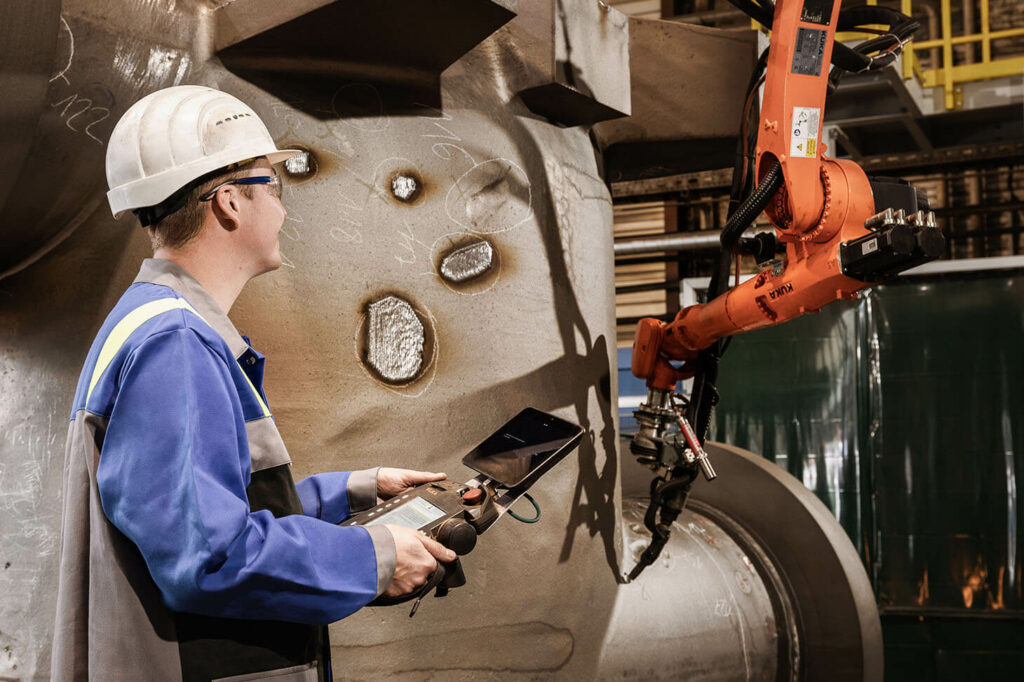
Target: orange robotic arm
838,239
841,230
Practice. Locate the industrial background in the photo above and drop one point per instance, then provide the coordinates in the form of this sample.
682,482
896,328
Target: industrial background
495,173
901,410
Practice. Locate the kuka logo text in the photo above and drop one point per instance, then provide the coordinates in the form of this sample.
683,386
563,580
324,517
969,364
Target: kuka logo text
780,291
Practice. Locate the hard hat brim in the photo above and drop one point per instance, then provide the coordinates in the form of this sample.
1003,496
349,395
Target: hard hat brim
282,155
152,190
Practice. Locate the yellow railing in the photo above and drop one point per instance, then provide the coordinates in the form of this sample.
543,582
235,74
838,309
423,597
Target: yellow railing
949,76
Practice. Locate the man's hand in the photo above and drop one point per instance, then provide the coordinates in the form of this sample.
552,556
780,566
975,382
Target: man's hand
391,482
416,554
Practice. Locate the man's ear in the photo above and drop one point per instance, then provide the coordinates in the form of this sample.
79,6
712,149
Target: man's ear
227,206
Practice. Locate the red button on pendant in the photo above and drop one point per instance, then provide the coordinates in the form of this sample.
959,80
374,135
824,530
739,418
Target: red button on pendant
473,496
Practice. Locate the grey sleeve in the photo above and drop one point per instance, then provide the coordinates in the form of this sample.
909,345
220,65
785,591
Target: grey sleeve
387,557
362,490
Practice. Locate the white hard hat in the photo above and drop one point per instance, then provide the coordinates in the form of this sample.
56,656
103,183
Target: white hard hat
174,136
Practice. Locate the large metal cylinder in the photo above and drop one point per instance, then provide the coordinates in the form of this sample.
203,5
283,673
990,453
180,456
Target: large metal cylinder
711,608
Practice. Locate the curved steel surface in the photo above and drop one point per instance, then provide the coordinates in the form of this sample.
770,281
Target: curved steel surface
92,59
28,35
701,612
840,631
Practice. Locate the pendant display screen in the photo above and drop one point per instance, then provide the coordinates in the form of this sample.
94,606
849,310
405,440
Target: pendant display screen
413,514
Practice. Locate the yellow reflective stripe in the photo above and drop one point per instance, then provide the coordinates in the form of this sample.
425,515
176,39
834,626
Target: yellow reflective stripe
123,329
135,319
266,410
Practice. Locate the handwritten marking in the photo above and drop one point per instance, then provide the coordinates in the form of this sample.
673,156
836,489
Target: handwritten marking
448,156
450,135
352,235
87,106
342,145
289,118
441,149
407,240
290,231
71,52
293,216
347,235
445,116
483,199
88,128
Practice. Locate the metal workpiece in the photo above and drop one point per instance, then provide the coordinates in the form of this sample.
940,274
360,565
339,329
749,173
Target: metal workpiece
536,328
720,620
801,606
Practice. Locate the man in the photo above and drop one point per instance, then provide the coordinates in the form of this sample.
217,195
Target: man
187,551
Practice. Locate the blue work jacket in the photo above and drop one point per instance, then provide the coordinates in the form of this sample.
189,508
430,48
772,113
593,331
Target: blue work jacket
187,550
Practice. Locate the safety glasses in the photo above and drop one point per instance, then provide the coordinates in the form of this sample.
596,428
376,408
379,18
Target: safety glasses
273,183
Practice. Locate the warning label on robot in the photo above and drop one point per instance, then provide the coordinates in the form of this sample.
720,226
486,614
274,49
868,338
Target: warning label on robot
803,136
